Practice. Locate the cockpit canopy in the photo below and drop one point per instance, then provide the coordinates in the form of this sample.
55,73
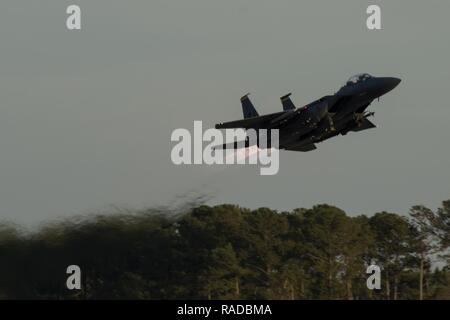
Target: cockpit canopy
359,78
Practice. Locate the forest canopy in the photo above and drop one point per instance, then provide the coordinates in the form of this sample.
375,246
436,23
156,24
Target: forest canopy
229,252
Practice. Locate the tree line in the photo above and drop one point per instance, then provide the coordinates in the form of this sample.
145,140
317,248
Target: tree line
230,252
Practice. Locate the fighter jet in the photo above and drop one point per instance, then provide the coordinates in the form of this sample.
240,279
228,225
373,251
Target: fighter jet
301,128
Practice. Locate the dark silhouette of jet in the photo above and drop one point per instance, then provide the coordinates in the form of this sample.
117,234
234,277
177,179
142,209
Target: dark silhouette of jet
301,128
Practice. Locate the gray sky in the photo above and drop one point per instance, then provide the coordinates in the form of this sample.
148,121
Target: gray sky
86,116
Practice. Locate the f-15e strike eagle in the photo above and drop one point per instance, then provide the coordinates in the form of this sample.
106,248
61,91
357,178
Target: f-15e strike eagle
301,128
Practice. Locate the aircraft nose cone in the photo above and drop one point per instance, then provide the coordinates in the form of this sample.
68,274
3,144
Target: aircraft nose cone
390,83
386,84
393,82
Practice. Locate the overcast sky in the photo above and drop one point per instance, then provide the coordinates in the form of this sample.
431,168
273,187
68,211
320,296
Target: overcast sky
86,116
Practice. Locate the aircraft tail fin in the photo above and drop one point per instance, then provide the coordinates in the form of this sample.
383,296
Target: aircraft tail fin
248,109
287,102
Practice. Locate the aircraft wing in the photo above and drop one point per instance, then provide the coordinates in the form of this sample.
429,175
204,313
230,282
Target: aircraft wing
249,123
302,148
273,119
